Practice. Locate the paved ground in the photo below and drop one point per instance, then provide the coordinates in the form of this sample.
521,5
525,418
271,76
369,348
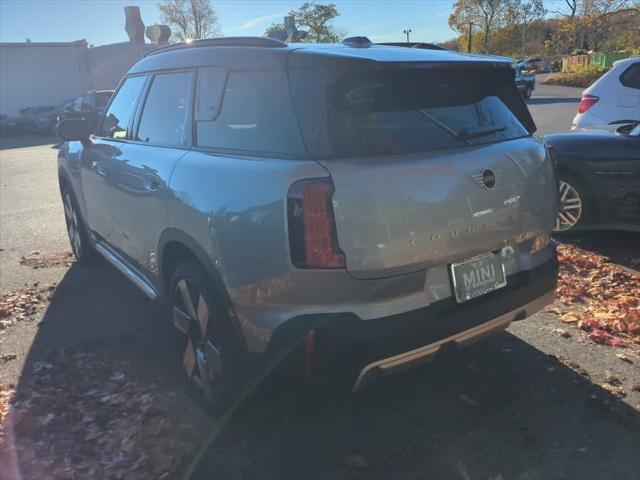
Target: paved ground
553,107
525,404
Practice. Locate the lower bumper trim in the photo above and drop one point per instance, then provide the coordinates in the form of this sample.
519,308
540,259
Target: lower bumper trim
407,360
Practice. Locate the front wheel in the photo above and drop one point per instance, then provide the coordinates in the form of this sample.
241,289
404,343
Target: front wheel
527,93
76,229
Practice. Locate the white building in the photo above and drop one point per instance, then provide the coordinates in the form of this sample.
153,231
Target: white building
34,74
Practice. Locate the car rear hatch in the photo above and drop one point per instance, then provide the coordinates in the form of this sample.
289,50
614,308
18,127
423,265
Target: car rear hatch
430,165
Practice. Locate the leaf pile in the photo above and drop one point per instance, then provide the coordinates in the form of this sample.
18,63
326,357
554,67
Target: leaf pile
38,260
604,298
89,415
23,303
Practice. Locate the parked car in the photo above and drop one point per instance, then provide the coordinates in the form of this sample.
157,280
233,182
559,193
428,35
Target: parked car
613,98
599,177
89,106
525,83
351,207
41,119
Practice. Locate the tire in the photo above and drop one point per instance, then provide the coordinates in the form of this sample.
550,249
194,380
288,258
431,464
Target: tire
76,228
527,93
209,353
575,204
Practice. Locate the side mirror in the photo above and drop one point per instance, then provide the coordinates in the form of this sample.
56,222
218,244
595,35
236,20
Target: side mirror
72,129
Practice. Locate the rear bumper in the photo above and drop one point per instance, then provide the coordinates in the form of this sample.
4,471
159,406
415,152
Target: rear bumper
406,360
349,348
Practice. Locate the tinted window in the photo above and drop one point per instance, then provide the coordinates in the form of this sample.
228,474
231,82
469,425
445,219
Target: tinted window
406,111
77,104
256,115
86,103
165,111
116,120
102,98
631,76
211,82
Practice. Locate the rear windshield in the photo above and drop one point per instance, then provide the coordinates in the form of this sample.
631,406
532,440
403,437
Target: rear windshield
408,111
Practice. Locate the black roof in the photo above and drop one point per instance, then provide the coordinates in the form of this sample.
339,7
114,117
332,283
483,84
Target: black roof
261,52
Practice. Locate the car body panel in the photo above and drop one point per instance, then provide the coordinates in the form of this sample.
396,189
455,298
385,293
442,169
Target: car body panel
421,210
609,163
617,102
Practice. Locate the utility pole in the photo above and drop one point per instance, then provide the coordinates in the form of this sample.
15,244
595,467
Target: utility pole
470,37
524,28
407,32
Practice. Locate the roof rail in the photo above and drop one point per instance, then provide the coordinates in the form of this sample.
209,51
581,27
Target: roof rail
358,42
221,42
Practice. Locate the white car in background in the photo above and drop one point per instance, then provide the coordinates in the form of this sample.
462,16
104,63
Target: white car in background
613,98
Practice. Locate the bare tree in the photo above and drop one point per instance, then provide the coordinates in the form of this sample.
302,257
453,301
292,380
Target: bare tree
525,12
190,19
486,14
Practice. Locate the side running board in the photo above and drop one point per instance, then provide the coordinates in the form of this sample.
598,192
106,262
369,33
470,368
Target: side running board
133,275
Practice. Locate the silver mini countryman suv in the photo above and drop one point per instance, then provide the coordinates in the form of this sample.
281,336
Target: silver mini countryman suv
350,207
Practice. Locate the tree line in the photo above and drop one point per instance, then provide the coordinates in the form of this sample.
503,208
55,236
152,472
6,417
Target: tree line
506,27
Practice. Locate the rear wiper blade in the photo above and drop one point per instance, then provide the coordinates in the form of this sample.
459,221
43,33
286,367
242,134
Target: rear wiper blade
470,133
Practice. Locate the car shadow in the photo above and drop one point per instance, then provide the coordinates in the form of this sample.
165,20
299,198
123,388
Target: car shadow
500,407
551,100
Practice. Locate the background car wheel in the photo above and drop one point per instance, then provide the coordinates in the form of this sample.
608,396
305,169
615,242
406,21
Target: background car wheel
528,92
76,229
574,202
208,352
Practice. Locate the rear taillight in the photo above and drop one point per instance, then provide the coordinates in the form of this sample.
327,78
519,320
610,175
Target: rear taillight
313,239
587,102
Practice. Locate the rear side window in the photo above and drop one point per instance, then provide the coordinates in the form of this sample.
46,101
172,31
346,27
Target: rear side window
117,118
256,114
165,110
631,76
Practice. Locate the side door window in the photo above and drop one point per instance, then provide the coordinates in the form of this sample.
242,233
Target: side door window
164,115
117,120
86,103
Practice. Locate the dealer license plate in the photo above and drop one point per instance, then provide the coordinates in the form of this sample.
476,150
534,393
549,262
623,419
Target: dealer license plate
477,276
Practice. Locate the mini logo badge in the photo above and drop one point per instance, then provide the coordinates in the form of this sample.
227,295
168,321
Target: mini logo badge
486,179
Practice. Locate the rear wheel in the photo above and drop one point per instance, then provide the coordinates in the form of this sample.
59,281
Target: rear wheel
527,93
574,201
207,350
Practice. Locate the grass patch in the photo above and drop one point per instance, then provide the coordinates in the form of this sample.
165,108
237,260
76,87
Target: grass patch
579,76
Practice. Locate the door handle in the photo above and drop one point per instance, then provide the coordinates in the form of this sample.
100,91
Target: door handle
151,184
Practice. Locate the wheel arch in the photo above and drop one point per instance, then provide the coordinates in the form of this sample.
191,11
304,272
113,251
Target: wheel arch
175,246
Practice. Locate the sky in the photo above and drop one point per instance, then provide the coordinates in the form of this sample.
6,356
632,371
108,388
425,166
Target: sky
102,21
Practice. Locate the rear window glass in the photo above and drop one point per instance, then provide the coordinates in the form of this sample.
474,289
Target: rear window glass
256,114
407,110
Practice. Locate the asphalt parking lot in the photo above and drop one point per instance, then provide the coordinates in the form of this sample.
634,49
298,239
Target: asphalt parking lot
525,404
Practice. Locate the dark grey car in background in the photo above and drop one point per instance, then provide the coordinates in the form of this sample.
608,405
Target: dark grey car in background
352,207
